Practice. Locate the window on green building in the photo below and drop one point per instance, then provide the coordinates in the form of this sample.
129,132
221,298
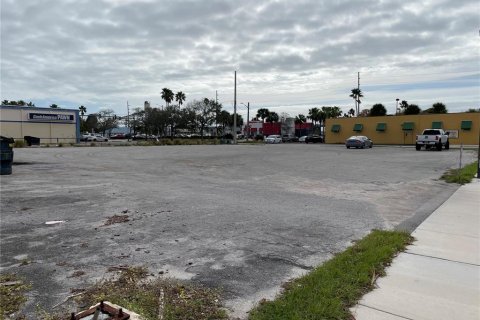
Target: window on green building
358,127
381,126
407,126
336,128
466,125
437,125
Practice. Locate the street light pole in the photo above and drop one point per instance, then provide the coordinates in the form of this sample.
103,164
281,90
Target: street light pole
248,120
396,108
235,111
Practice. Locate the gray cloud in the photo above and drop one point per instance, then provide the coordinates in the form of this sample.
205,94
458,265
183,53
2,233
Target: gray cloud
111,51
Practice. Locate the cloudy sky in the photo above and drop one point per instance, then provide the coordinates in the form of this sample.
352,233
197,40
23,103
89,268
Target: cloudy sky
289,55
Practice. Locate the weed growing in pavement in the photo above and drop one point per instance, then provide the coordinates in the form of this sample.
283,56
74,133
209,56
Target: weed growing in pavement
158,298
461,176
12,294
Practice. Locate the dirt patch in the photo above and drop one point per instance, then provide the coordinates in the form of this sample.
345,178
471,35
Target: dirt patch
116,219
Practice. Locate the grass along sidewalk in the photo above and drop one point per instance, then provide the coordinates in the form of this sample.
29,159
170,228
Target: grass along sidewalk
330,290
461,176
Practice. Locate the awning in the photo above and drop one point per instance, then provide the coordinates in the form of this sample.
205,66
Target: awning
407,126
437,125
358,127
466,125
381,126
336,128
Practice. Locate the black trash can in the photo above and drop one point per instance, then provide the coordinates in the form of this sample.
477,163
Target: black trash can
6,155
32,141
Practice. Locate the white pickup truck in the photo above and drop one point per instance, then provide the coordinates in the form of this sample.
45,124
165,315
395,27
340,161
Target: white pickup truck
436,138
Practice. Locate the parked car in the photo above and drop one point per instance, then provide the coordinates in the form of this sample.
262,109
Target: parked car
302,139
96,137
358,142
289,138
314,139
273,138
118,136
430,138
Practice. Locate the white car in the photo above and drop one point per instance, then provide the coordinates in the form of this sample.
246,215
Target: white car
96,137
273,138
302,139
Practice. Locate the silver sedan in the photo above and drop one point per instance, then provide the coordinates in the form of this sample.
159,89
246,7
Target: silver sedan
358,142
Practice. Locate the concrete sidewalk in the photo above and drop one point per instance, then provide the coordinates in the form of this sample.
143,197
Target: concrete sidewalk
438,277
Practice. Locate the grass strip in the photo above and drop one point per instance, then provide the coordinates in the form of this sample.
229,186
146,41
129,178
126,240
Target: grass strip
331,289
461,176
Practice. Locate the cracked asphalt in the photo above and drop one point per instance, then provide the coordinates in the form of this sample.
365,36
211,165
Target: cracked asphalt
242,218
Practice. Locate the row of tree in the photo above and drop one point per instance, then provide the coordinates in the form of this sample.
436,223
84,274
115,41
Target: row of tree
197,116
405,108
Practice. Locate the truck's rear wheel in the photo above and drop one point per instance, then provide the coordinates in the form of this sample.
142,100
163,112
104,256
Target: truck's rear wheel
447,145
418,147
439,146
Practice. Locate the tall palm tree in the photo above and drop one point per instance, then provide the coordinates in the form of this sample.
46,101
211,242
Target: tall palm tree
263,113
314,115
167,95
180,97
356,95
272,117
83,110
300,119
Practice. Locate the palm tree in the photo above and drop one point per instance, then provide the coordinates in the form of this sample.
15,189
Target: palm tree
180,97
351,112
54,106
272,117
263,113
300,119
356,95
167,95
83,110
314,115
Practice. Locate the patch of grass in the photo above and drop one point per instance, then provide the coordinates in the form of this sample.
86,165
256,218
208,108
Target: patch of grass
25,262
331,289
12,290
461,176
151,298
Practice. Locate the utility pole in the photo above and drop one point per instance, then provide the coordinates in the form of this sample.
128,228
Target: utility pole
235,111
358,98
248,120
216,113
128,121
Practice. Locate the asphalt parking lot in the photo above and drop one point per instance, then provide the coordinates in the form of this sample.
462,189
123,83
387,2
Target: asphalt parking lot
241,218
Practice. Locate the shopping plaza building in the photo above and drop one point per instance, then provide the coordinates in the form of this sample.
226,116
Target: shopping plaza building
47,124
463,128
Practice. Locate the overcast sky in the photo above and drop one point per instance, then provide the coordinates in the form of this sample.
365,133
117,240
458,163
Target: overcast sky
289,55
